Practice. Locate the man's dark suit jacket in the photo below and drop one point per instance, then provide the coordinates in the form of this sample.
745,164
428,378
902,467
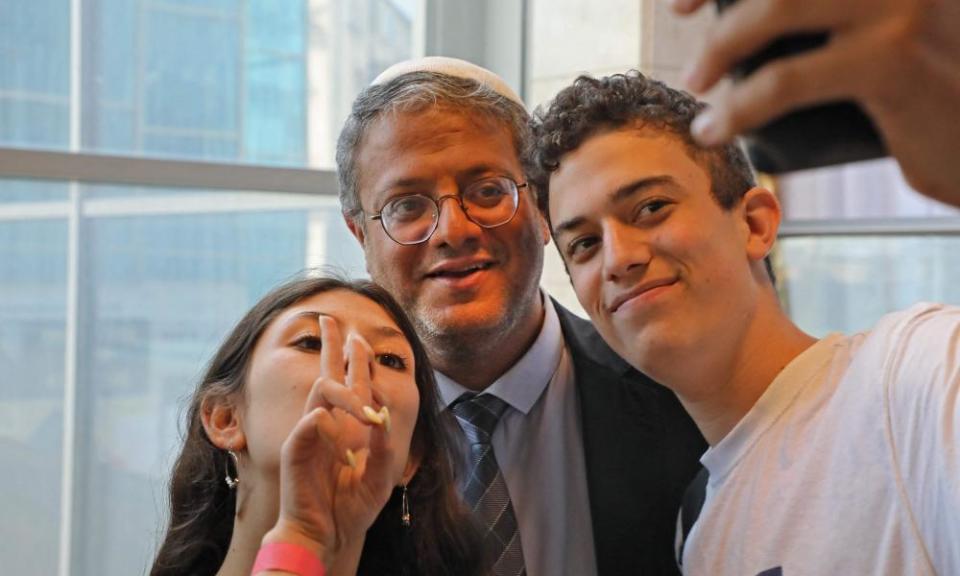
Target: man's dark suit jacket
641,450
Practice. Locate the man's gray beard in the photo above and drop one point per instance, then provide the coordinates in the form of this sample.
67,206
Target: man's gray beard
456,345
462,346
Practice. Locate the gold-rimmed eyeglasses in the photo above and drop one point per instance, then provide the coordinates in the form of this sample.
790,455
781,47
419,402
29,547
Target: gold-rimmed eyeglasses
413,218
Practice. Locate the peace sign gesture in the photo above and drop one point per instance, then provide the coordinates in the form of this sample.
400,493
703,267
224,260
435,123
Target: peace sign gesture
333,481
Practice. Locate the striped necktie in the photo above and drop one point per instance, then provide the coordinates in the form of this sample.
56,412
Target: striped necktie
484,489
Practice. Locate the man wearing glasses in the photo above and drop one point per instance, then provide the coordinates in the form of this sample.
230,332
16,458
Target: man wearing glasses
575,463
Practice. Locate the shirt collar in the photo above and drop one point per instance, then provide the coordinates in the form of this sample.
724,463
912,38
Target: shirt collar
525,381
809,366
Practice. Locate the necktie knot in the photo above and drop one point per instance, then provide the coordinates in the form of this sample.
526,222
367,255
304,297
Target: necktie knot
478,415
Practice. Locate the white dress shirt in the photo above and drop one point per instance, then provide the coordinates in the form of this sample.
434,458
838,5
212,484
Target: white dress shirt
539,447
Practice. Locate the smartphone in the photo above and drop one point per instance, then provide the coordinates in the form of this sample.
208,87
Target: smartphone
818,136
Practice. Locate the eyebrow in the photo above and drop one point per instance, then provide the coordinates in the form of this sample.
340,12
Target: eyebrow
381,330
622,193
489,170
470,174
386,332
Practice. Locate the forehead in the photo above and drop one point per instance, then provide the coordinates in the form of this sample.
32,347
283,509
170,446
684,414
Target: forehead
633,151
433,143
351,311
610,160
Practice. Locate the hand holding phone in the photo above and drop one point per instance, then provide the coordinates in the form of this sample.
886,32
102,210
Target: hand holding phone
896,61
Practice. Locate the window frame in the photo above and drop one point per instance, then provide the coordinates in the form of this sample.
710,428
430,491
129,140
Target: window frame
440,28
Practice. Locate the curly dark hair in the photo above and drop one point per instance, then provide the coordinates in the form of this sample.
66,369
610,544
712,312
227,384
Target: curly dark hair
594,105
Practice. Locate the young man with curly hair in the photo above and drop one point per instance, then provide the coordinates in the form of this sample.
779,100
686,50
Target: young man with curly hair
831,456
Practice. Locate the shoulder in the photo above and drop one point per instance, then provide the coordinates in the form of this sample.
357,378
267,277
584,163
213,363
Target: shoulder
921,318
921,396
914,355
914,340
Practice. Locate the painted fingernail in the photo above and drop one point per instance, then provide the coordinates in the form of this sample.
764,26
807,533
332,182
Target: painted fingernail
705,128
351,458
372,415
385,416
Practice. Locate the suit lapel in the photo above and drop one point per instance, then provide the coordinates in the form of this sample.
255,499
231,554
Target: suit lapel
624,434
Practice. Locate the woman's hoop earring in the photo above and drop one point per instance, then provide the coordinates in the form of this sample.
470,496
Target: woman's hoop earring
404,508
232,481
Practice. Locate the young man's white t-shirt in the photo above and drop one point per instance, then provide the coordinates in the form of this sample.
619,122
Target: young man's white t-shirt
849,463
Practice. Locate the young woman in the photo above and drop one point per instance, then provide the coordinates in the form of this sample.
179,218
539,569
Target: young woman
316,425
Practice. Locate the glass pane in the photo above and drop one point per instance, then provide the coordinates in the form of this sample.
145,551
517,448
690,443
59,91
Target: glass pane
33,252
192,59
873,190
262,81
20,192
35,73
847,283
161,286
162,275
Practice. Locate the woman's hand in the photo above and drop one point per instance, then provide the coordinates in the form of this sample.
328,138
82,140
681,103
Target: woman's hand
331,487
900,59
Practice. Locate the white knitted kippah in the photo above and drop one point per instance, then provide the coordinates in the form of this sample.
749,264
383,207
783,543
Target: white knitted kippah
451,67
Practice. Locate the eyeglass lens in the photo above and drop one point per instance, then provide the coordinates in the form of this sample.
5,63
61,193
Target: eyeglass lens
412,219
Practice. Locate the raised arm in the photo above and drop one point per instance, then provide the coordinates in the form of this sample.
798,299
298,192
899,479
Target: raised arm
900,59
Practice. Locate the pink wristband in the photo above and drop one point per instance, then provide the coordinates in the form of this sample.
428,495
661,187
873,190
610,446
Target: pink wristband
287,557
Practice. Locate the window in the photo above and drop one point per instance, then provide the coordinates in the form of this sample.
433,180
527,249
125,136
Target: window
858,243
113,296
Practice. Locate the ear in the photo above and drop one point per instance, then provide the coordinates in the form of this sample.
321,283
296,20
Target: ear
356,228
539,216
222,423
762,214
544,228
413,464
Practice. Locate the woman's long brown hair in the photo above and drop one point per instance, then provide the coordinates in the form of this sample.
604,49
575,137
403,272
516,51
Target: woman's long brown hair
442,538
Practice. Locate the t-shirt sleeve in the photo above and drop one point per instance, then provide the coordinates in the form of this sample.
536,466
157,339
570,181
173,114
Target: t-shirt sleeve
922,372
